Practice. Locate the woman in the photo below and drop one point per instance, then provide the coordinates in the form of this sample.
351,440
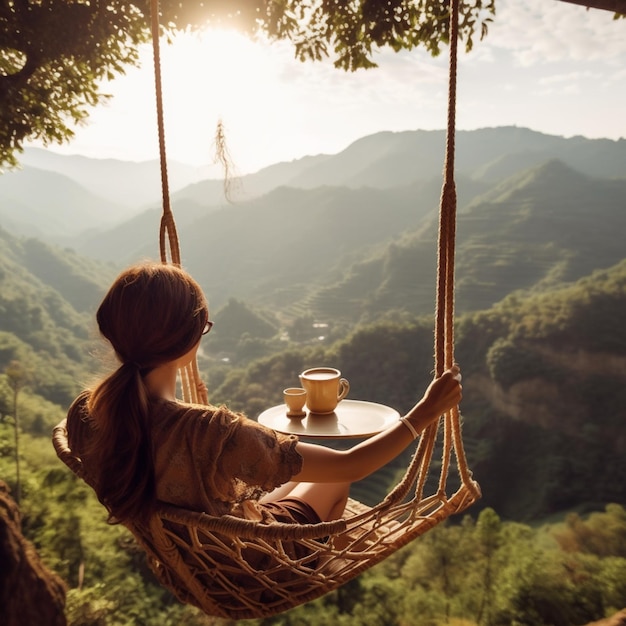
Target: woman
140,445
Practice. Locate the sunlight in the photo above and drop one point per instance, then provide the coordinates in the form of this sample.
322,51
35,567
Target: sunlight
217,75
217,63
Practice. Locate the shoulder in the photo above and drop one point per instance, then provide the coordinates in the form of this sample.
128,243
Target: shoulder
194,425
78,408
78,426
201,413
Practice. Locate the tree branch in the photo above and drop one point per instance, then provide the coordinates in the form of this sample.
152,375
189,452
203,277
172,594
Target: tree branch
615,6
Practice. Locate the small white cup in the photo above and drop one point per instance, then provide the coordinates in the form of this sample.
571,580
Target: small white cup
295,399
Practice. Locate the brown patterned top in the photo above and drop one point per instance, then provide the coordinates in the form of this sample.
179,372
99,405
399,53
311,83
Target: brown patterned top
206,458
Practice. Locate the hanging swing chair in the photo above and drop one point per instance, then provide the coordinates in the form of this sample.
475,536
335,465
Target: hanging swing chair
237,568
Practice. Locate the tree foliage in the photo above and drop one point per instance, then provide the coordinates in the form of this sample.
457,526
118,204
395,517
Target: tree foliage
477,570
482,570
54,54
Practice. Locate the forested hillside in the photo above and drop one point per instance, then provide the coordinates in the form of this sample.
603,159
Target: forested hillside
543,408
544,391
536,230
46,304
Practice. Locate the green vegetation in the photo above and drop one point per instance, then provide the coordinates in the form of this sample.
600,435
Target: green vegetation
478,570
228,337
545,391
486,571
47,327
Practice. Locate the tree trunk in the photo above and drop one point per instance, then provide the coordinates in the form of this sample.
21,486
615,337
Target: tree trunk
30,594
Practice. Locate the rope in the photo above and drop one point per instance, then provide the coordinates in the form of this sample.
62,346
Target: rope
418,469
168,226
444,315
225,569
192,389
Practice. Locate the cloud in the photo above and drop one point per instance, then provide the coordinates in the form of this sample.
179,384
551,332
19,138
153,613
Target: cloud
570,77
538,32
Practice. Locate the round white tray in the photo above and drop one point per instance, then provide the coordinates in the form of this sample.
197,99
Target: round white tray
352,418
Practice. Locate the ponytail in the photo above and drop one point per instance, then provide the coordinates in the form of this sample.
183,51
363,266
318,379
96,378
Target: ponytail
121,446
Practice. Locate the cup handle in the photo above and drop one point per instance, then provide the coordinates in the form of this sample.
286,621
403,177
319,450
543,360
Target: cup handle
345,387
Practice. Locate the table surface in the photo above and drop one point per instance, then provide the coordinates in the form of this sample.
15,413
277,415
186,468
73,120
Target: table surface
351,419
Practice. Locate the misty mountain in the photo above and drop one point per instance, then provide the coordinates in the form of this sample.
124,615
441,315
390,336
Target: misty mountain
391,159
240,189
344,248
337,252
544,227
130,184
384,160
276,249
65,199
41,203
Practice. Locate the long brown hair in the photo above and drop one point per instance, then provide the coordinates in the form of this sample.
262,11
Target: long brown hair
152,314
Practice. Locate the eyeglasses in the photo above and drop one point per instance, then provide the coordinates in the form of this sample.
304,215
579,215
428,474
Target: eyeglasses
207,327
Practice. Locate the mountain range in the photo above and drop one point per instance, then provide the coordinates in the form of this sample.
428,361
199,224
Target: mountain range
67,197
537,231
337,235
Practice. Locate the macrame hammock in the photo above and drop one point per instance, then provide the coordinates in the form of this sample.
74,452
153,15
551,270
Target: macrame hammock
238,568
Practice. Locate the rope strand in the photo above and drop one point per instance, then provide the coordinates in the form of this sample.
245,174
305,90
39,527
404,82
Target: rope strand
192,389
444,316
168,226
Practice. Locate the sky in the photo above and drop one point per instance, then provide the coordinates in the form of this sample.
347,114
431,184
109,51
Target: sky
546,65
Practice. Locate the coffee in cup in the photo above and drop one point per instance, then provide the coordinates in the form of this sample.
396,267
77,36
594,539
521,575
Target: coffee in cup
324,388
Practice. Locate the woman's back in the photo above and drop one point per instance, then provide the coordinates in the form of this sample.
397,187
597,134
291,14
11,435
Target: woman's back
205,458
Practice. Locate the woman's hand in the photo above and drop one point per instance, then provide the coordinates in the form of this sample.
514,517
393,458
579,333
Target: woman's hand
444,392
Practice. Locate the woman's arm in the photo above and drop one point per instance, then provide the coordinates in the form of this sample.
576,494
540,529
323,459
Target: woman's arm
324,465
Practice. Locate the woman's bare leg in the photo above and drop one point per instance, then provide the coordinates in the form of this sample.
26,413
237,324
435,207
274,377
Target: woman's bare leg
328,500
280,492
